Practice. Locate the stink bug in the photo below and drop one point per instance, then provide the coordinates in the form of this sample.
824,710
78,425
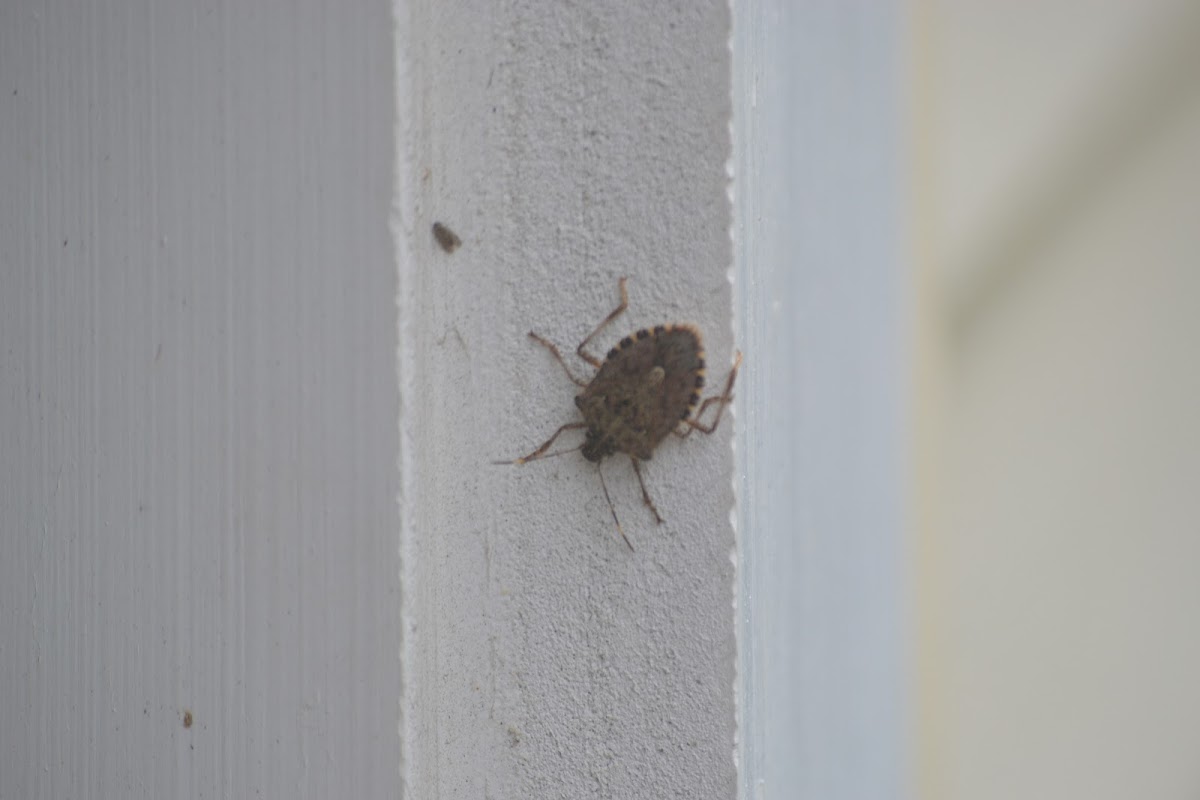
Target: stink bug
646,388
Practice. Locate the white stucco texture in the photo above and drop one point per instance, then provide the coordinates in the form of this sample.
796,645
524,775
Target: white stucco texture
567,147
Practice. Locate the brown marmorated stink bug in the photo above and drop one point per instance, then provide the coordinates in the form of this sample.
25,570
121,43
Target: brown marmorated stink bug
644,389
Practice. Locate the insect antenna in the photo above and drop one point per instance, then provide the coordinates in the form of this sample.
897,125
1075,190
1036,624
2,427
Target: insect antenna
604,486
527,459
539,453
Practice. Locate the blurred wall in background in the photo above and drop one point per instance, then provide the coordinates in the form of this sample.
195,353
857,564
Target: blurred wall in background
1058,181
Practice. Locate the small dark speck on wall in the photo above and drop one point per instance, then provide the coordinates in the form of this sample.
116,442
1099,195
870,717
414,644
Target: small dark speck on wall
447,238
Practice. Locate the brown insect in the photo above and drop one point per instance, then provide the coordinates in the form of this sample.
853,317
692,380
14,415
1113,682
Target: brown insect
644,390
447,238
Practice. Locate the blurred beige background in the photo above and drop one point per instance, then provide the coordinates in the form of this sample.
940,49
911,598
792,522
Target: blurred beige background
1058,515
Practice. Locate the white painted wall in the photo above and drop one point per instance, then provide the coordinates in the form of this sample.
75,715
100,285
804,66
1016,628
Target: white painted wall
197,401
568,146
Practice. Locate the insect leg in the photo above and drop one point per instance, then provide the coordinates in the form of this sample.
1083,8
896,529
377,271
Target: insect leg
616,312
692,423
645,495
724,399
546,343
570,426
604,486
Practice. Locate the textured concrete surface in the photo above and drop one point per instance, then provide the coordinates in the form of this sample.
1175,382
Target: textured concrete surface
566,147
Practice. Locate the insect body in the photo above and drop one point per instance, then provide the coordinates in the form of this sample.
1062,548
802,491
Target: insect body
645,389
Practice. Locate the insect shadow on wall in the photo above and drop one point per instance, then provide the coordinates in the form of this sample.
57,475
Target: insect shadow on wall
645,389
